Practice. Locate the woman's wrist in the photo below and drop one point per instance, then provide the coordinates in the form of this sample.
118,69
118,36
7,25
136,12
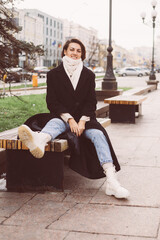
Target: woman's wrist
70,119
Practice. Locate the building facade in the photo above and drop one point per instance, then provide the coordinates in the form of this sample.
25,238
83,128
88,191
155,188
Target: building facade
31,31
42,29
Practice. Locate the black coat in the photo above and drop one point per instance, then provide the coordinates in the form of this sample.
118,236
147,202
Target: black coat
62,98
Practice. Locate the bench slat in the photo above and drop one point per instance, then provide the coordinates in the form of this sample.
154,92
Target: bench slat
126,100
58,145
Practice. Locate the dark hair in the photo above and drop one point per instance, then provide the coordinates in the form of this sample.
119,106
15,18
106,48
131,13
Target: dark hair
74,40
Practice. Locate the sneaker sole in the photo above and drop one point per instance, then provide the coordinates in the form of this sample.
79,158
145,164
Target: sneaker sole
26,137
111,193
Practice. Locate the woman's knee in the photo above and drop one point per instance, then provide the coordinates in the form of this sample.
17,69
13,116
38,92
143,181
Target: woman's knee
94,134
56,123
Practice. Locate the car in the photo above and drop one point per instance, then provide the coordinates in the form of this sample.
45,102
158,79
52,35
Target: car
158,70
116,70
145,70
130,71
41,71
17,75
98,70
13,74
12,77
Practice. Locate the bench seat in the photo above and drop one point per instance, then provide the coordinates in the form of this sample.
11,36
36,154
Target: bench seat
123,108
26,173
9,141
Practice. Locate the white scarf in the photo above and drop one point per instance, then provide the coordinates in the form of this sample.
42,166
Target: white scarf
73,69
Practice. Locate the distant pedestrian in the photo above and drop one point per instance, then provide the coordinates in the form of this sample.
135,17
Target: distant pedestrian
71,100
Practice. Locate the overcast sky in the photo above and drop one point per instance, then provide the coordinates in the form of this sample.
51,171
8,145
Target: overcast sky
127,28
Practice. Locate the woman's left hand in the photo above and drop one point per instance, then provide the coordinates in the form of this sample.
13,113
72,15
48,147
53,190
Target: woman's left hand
81,125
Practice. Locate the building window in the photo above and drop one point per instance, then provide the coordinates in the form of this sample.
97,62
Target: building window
47,20
41,16
50,42
61,26
46,41
54,33
54,23
50,32
58,25
50,22
61,36
46,31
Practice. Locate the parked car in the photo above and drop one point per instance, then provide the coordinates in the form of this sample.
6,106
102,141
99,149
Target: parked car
130,71
158,70
116,70
41,70
98,70
17,75
146,71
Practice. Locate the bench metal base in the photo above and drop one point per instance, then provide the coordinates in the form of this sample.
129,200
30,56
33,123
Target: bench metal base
123,113
26,173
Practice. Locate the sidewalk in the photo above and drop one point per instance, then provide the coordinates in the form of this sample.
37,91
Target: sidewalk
83,211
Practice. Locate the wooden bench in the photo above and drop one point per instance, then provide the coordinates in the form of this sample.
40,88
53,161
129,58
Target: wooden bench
26,173
124,108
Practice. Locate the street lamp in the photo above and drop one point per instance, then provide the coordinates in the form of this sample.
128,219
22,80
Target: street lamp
152,75
109,84
109,80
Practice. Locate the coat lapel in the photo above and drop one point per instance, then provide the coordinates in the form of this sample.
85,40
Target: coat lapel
81,82
65,79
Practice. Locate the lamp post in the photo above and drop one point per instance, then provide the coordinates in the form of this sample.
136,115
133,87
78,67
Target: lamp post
109,84
109,78
152,76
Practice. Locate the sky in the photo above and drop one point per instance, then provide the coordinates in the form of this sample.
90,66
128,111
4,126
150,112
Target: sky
128,31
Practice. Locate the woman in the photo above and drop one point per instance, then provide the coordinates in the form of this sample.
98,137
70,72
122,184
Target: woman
71,100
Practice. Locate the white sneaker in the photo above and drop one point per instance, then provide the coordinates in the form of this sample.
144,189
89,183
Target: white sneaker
113,187
35,141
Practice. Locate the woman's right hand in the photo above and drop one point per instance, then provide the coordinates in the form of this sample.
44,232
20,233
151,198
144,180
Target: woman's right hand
73,126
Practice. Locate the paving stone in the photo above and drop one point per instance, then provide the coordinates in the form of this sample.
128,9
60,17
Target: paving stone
143,184
77,198
85,192
104,219
30,233
81,195
9,205
16,195
38,214
90,236
73,180
2,219
48,196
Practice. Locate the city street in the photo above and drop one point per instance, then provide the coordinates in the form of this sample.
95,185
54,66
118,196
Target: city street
122,81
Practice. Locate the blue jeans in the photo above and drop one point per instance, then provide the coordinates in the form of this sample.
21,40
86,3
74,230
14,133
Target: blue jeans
56,126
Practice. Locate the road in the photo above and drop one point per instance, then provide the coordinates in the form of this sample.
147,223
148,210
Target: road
130,81
121,81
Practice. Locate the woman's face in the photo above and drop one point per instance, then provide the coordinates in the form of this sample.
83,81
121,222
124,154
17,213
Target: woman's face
73,51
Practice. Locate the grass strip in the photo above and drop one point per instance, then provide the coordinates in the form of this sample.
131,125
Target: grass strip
15,111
